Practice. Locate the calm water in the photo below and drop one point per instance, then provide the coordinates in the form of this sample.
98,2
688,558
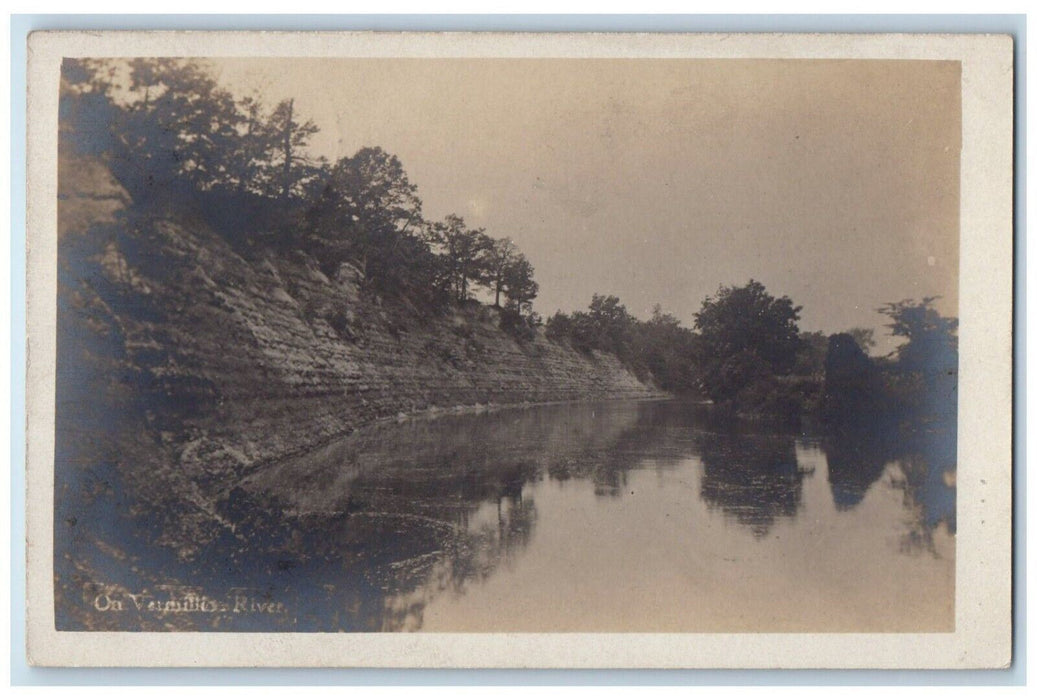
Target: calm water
617,516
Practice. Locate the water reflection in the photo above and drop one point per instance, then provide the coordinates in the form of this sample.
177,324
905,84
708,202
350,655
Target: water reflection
921,461
366,533
855,462
754,478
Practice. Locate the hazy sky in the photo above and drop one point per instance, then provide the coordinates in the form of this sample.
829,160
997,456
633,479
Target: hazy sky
834,182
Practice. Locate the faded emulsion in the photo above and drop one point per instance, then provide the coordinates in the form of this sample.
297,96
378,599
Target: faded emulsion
292,396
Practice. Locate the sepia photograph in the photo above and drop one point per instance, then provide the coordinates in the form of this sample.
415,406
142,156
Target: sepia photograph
516,343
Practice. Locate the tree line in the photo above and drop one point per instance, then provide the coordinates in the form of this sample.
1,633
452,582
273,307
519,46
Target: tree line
169,132
659,348
747,354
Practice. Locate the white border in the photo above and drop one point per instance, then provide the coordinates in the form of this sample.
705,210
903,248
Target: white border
983,601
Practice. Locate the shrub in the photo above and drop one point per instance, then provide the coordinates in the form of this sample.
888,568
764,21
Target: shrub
516,325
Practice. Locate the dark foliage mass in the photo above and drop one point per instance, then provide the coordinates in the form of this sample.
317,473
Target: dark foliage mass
660,347
914,390
176,140
748,337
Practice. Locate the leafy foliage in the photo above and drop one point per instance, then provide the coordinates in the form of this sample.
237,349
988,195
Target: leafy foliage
368,214
172,135
519,286
864,337
932,340
464,254
924,379
177,140
500,257
810,358
746,334
289,166
916,386
660,349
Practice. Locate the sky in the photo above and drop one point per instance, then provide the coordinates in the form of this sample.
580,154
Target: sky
834,182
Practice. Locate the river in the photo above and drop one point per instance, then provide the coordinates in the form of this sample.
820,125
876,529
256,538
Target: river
594,517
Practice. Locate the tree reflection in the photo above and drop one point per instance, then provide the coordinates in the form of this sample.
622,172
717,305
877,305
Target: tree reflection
375,527
928,463
363,534
855,463
753,478
654,434
921,459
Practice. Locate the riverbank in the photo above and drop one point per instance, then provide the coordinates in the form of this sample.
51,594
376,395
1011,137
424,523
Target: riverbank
187,362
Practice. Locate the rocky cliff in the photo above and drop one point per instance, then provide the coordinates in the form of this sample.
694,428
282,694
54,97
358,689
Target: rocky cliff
185,363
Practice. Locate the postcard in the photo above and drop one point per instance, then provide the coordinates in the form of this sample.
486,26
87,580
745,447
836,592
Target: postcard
519,350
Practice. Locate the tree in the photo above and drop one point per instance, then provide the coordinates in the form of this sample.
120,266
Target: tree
179,125
746,335
932,339
813,348
852,393
608,314
365,214
90,122
464,254
292,137
864,337
559,327
606,325
500,257
927,364
667,349
505,270
518,284
254,149
159,123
